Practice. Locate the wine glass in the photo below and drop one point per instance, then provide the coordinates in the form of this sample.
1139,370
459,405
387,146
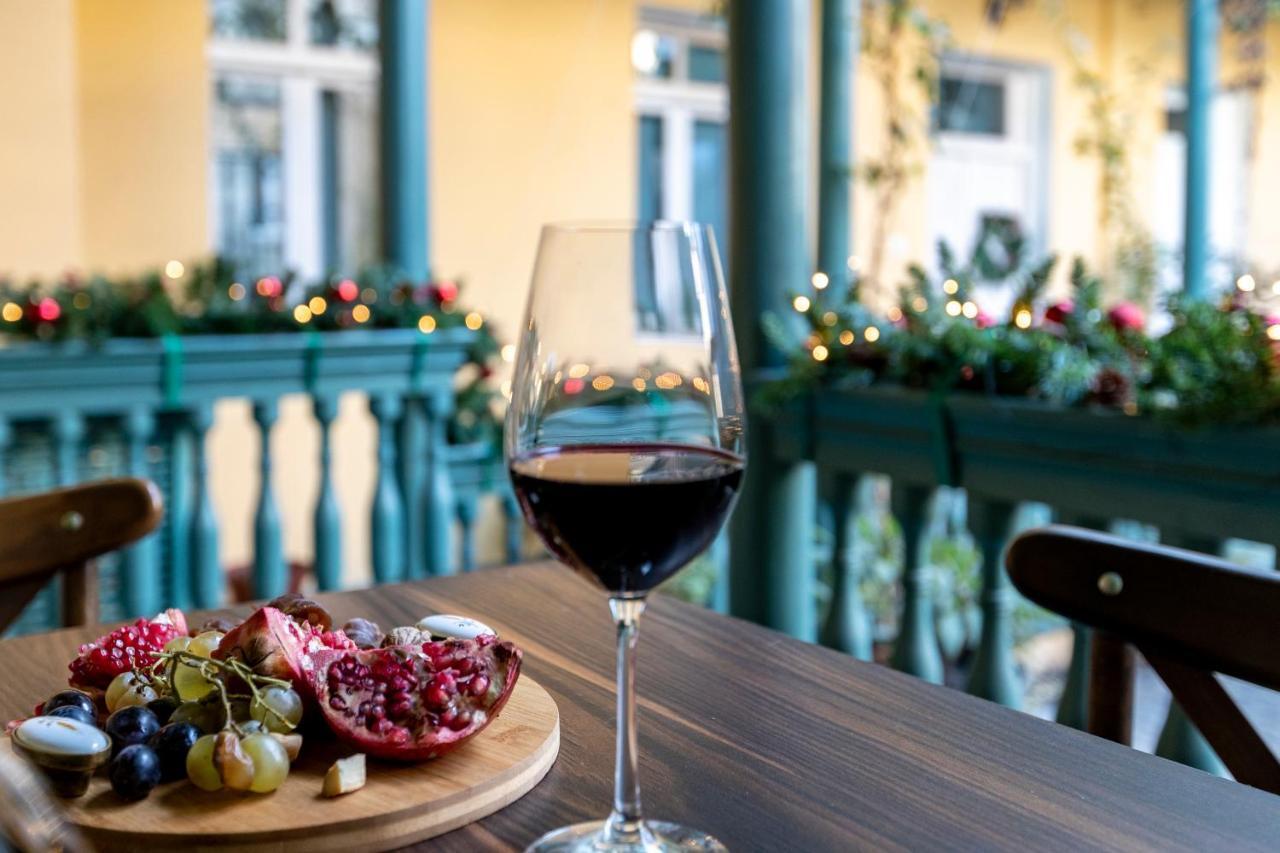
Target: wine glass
624,439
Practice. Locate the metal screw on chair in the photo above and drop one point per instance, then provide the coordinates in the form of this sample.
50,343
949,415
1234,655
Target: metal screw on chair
1110,583
72,520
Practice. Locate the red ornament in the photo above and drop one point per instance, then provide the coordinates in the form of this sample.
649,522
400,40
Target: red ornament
983,320
270,287
46,310
446,291
1125,316
1058,312
347,290
573,386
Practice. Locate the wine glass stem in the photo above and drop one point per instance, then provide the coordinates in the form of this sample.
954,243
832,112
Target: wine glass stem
624,822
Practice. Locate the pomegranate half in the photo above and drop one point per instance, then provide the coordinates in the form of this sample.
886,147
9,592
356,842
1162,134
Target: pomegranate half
415,702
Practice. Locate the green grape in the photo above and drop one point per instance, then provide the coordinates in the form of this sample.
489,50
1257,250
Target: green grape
138,694
200,769
121,683
189,683
285,702
202,715
204,644
270,762
177,644
250,727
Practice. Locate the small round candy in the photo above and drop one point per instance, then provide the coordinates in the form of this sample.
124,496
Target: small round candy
445,626
67,750
74,712
134,771
70,698
129,726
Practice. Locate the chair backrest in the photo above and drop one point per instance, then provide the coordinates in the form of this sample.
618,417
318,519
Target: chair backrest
1189,614
62,531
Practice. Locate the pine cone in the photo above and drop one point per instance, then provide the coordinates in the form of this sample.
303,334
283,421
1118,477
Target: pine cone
1111,388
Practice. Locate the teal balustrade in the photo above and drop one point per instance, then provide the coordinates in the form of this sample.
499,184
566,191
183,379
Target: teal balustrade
387,524
206,569
327,524
916,650
848,624
270,575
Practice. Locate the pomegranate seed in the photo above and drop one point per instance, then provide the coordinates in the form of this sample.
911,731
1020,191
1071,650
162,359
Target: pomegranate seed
479,685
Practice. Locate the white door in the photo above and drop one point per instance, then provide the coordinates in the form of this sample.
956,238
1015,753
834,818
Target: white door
989,159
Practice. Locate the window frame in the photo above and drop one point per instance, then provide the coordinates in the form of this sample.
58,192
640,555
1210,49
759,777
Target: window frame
304,72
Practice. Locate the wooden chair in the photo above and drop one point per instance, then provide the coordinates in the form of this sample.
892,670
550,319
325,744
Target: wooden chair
1189,614
62,531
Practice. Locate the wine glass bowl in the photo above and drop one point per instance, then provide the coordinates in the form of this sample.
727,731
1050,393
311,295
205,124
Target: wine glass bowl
624,440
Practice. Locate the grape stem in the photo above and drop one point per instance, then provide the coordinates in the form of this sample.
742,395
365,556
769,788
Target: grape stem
214,671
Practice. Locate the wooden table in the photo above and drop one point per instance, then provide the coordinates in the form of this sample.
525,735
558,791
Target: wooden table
775,745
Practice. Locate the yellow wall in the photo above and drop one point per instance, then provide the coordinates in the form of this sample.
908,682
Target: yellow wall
39,169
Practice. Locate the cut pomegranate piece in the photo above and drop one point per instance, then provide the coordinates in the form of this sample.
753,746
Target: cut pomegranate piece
124,648
273,644
411,703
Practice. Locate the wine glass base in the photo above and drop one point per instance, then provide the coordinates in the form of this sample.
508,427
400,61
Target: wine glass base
652,837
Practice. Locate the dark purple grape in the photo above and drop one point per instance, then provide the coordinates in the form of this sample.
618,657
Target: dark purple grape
130,726
74,712
163,708
71,699
134,771
171,744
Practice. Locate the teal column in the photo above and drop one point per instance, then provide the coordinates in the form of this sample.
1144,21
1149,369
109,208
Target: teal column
387,527
403,116
994,675
437,499
848,626
68,433
206,568
513,524
6,436
177,529
1073,707
771,579
1180,740
835,149
139,562
719,553
270,576
330,176
467,510
1202,72
327,527
916,650
411,450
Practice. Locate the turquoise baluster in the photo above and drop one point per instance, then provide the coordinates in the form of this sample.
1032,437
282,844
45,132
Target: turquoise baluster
719,553
178,517
467,510
139,562
68,433
513,526
327,527
437,502
916,649
270,576
206,569
411,455
994,675
1180,740
6,437
387,528
848,625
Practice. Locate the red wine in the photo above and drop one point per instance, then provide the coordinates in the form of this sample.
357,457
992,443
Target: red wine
627,515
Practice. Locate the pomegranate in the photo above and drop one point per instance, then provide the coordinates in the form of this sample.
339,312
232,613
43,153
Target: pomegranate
415,702
273,644
124,648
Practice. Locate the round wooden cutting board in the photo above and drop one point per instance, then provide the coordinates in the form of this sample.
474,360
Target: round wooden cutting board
400,803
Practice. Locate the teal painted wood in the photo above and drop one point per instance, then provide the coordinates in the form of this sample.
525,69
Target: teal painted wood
177,566
468,508
1073,705
327,525
140,561
437,502
835,148
994,675
1179,739
403,117
411,456
1202,73
68,434
208,583
719,552
772,572
387,525
916,649
848,625
270,577
512,523
6,438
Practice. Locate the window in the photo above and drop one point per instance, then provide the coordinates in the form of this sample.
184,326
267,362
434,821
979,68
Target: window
293,150
682,106
970,106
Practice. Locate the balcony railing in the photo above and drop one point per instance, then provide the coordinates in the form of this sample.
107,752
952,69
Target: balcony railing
73,411
1198,487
